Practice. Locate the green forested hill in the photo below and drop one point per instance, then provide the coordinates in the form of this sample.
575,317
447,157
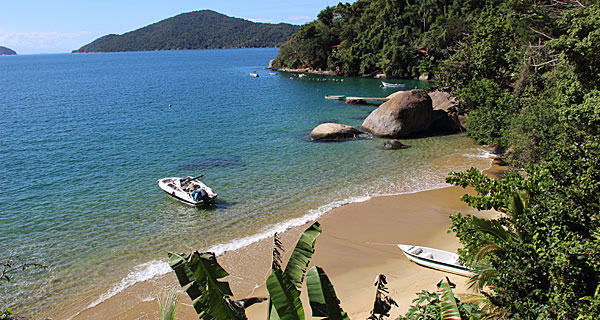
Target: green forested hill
399,38
4,51
195,30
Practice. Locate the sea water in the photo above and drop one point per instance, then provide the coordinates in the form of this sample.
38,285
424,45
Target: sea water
84,137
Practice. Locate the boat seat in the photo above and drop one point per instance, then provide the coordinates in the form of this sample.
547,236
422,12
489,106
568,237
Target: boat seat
427,255
416,250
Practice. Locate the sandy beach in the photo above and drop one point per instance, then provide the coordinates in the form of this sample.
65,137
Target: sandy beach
357,244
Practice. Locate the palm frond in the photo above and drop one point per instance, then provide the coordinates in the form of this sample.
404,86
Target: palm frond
481,278
493,228
487,250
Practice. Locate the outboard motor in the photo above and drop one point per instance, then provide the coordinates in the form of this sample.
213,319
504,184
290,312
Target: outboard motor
200,195
205,197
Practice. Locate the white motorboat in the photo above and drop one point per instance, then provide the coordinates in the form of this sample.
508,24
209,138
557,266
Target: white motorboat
392,85
188,190
254,74
435,259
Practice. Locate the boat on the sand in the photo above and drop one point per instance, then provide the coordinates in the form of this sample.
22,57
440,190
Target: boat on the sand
188,190
392,85
335,97
435,259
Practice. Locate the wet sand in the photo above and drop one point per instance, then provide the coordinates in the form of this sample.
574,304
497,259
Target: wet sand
357,244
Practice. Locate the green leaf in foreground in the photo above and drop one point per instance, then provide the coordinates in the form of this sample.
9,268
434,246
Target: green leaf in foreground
294,271
284,297
303,252
322,297
210,297
449,306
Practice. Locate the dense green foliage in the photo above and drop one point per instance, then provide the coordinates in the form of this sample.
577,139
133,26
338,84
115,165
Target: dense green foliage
400,38
6,51
195,30
428,306
546,251
529,77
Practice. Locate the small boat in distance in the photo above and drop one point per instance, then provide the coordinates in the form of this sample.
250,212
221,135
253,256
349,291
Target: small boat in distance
272,73
254,74
392,85
188,190
335,97
435,259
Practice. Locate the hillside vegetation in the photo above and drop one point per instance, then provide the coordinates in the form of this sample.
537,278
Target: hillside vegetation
195,30
527,74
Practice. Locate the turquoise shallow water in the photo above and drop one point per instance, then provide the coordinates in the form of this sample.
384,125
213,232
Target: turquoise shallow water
84,138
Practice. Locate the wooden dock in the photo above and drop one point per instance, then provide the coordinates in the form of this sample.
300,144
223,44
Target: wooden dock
364,100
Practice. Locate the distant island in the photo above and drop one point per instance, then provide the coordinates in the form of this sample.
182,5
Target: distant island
204,29
4,51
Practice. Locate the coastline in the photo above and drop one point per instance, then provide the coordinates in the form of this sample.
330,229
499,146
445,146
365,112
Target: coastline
357,244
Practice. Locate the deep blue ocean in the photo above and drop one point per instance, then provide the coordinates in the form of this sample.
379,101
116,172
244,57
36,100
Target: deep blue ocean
84,137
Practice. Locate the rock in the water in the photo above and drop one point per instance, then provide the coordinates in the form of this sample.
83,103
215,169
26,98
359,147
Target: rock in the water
333,131
393,145
405,114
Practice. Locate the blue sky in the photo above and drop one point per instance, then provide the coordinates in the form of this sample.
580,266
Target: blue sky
53,26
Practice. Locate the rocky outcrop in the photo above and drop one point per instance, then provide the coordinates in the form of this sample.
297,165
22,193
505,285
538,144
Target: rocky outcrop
333,131
393,145
405,114
447,117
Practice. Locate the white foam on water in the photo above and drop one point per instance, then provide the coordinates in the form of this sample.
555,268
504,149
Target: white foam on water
312,215
142,272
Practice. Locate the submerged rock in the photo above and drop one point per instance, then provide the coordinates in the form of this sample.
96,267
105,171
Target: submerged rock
393,145
333,131
406,113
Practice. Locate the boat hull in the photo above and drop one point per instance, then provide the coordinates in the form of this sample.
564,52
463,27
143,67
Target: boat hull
392,85
439,260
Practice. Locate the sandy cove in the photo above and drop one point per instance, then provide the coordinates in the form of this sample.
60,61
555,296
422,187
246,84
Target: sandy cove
357,244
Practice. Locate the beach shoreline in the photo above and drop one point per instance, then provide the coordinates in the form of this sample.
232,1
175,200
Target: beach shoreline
358,243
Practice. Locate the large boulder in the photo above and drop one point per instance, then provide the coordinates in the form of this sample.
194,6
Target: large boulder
405,114
333,131
447,117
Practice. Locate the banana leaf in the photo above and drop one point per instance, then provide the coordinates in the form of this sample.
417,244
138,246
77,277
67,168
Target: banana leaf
296,267
322,297
448,304
284,298
303,252
210,297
